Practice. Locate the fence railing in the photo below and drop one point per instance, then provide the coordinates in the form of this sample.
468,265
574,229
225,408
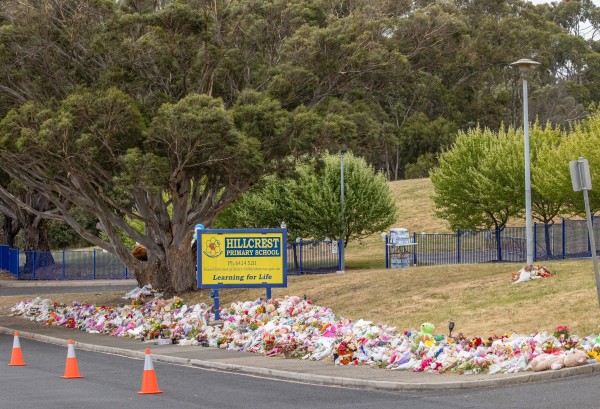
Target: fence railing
313,256
304,257
568,239
62,265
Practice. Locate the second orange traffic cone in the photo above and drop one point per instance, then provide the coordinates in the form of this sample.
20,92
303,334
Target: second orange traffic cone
149,382
16,359
71,367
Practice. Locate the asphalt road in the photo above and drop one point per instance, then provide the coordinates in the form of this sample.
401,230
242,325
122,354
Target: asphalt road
112,382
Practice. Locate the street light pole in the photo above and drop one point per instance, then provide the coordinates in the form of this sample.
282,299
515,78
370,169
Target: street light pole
343,150
525,66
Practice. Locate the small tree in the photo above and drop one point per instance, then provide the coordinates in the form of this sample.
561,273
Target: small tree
582,141
549,195
479,181
310,205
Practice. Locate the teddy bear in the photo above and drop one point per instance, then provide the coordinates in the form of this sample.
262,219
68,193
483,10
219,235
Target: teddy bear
577,358
426,333
140,252
547,361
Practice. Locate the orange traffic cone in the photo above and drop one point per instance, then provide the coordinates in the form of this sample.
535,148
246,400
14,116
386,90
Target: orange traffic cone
16,359
149,382
71,368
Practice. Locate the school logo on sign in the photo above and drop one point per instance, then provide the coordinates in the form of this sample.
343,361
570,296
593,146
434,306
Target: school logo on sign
213,248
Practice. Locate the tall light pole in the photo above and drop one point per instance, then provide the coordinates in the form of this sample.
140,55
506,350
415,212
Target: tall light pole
343,150
525,66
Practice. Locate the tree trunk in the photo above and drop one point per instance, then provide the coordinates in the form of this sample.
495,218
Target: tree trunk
37,245
173,272
11,229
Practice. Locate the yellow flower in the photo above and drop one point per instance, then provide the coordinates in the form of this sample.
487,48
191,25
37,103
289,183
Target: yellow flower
594,355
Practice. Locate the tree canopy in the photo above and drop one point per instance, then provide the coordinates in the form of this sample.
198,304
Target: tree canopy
479,182
309,201
164,112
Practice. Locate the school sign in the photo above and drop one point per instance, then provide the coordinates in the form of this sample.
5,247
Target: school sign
242,258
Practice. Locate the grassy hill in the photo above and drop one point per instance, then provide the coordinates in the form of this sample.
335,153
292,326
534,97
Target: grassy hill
415,213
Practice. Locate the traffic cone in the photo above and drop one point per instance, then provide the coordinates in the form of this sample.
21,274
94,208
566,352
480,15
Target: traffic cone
16,359
71,367
149,382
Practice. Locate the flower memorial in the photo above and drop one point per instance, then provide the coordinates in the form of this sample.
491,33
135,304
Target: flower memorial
293,327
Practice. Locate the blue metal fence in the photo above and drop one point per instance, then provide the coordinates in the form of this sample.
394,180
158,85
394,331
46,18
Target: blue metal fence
313,257
63,265
568,239
304,257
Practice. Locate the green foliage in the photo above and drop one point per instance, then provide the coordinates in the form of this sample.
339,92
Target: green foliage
309,202
582,141
165,112
478,183
421,168
61,235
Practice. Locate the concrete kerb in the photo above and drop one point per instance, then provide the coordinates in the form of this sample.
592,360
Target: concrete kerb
321,379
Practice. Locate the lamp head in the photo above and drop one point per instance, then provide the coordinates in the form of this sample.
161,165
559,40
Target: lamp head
525,65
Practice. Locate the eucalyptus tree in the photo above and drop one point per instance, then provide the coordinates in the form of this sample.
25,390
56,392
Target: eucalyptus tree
95,151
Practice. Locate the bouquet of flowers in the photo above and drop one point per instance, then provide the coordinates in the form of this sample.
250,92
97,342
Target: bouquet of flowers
344,351
562,333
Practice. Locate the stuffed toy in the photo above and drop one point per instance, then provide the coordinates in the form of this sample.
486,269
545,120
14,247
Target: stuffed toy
140,252
577,358
426,333
524,274
547,361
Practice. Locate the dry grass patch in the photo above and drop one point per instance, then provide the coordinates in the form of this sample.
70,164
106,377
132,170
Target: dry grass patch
416,212
479,298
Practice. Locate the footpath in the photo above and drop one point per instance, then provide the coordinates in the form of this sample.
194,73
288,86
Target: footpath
313,372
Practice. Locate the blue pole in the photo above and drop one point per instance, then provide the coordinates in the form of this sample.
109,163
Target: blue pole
340,249
415,248
94,264
564,226
499,244
216,302
387,252
63,264
458,245
3,257
301,255
269,293
535,242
